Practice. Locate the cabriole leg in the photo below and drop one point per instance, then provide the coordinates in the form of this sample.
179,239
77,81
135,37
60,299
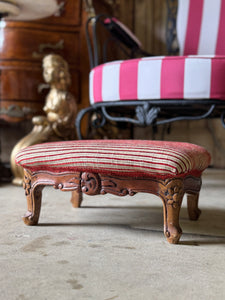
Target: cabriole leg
172,195
192,204
33,194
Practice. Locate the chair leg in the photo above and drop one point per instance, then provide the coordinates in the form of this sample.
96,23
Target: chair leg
172,229
172,195
34,195
77,198
192,204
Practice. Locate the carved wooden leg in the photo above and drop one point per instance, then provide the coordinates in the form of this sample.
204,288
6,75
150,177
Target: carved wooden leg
172,195
192,204
77,198
34,195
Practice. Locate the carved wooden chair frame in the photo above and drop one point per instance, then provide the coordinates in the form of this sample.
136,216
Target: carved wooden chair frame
171,191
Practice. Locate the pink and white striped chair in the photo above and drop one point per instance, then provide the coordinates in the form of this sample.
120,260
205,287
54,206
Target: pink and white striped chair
163,89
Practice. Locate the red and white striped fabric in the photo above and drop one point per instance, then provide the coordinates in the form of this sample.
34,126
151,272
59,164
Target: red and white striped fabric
201,27
177,77
117,157
198,74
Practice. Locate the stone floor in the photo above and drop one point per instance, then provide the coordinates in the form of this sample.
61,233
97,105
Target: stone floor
112,248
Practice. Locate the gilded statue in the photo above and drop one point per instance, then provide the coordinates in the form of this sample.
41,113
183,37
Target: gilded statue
60,109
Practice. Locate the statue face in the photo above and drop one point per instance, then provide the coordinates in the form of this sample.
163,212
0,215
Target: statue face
56,74
48,73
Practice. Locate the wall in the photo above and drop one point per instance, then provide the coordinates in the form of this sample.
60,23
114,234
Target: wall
150,24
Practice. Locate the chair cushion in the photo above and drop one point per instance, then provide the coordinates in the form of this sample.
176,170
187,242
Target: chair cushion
176,77
117,157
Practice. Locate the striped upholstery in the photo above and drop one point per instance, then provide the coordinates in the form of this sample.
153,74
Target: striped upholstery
201,27
197,74
178,77
117,157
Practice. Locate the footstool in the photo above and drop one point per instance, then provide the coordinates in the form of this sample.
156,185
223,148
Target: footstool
120,167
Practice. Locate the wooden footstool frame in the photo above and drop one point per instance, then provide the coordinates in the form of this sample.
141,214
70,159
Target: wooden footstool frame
170,190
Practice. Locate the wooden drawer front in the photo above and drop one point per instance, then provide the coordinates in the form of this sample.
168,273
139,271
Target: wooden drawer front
21,84
24,44
69,15
20,97
26,84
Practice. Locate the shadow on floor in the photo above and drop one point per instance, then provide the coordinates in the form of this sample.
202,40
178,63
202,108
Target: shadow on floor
209,229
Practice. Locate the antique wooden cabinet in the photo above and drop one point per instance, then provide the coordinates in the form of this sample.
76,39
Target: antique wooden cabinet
24,44
22,47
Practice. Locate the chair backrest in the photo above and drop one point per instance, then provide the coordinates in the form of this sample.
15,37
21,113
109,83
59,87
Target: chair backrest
201,27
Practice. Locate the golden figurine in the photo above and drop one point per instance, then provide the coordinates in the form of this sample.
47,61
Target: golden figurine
60,108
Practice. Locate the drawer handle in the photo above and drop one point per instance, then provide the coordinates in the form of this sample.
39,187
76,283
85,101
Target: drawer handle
41,48
15,111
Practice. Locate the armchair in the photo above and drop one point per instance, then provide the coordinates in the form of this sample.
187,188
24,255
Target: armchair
154,90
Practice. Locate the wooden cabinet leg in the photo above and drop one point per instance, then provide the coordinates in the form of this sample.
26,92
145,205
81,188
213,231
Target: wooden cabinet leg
192,204
76,199
172,195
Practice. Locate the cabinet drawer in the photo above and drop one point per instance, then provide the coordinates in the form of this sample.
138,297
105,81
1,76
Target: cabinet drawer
32,45
20,93
24,83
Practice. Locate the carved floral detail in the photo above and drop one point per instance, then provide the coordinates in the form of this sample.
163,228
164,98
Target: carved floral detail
90,183
27,185
107,184
115,187
172,192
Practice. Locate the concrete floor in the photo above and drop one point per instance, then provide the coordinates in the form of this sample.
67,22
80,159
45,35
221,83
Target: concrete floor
112,248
